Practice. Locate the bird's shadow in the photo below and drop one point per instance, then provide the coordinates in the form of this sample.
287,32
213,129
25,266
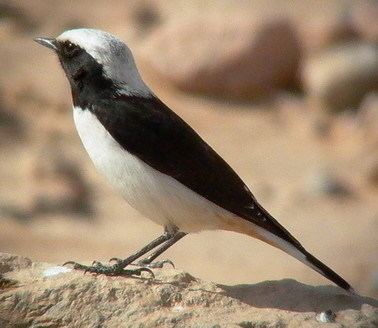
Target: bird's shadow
291,295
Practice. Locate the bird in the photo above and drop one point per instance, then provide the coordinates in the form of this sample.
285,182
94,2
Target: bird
155,160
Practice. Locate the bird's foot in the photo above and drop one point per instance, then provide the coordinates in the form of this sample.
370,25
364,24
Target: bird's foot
146,263
110,270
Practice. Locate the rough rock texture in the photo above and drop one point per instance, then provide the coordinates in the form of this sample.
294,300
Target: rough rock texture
233,57
36,295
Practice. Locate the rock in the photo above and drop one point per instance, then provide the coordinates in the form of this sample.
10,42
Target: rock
45,295
339,78
326,316
230,57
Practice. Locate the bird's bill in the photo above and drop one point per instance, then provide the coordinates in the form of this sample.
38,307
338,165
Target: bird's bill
47,42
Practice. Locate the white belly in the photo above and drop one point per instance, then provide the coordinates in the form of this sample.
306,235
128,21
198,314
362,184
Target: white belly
155,195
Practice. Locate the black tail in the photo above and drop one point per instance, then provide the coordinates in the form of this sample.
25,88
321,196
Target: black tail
276,235
327,272
299,252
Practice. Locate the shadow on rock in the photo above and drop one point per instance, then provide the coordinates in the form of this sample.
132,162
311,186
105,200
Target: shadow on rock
292,295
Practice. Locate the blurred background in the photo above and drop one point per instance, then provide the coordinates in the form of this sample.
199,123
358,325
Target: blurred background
285,91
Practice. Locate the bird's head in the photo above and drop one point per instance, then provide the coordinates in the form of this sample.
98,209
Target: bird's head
96,59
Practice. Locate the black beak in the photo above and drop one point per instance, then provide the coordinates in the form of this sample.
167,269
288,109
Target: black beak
48,42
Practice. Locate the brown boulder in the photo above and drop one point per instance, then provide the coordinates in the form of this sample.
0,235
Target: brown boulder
232,57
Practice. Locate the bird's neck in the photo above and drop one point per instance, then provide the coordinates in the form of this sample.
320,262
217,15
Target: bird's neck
88,88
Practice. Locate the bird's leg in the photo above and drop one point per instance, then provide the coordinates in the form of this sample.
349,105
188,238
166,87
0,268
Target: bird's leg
148,261
119,267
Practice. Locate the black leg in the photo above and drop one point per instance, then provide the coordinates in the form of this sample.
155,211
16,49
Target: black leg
148,260
158,241
118,268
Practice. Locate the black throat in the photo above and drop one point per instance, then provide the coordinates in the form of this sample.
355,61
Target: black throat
89,84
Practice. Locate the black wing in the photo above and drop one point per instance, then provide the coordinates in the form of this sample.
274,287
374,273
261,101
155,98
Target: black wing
148,129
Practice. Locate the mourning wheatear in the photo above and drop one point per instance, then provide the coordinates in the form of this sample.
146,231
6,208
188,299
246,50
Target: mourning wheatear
159,164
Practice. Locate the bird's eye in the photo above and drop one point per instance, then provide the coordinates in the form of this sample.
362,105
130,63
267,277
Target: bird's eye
69,49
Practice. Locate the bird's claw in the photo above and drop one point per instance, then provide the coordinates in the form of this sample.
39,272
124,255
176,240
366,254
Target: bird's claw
108,270
75,265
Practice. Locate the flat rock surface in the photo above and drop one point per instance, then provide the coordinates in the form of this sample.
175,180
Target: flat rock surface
47,295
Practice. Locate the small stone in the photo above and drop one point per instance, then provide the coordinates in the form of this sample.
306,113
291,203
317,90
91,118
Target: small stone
178,308
326,316
55,270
